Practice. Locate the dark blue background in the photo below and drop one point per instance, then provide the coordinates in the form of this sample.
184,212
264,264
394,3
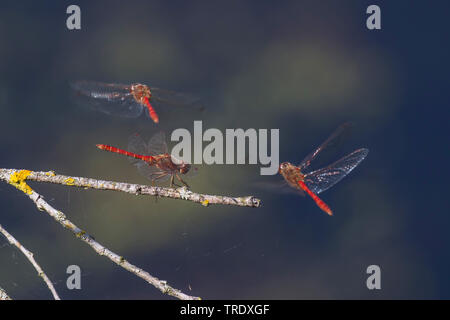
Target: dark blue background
301,66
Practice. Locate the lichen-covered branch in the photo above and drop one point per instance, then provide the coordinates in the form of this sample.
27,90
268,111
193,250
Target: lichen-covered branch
29,256
4,295
17,179
137,189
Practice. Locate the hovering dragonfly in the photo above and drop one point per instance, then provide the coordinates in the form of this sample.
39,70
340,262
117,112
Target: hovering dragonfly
320,180
129,100
152,159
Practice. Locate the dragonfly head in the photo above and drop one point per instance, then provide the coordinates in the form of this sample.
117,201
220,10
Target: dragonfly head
284,166
184,168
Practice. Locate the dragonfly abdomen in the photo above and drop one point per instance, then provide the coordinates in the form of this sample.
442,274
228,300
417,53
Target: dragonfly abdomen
322,205
148,159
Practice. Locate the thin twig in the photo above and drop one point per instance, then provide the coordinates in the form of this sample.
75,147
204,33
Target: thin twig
17,179
29,256
137,189
4,295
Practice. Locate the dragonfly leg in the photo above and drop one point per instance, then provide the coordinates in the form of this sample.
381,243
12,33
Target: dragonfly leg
159,176
172,181
181,180
176,185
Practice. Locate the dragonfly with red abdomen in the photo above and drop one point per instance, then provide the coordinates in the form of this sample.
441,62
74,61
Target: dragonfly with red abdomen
152,159
129,100
320,180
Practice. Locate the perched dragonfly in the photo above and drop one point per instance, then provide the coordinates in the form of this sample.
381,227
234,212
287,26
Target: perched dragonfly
152,159
320,180
130,100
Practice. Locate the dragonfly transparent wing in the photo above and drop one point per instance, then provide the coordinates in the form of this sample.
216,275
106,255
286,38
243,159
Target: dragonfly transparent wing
157,144
323,179
332,140
152,173
167,98
137,145
112,99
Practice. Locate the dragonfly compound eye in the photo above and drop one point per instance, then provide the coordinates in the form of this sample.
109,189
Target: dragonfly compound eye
283,166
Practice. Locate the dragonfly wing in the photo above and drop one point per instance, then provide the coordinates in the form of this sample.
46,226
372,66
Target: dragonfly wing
112,99
137,145
332,140
95,86
323,179
167,98
157,144
152,173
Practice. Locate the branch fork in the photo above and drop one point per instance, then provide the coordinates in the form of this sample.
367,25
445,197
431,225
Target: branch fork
18,178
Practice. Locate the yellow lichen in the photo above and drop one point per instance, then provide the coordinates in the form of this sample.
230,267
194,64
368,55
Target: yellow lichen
17,179
80,234
50,174
205,203
69,181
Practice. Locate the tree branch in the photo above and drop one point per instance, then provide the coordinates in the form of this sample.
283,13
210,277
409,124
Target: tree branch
17,179
29,256
4,295
137,189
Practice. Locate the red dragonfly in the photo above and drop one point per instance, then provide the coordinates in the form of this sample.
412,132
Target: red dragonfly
130,100
320,180
152,159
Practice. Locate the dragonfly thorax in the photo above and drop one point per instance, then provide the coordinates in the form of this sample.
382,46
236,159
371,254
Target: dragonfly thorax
291,173
181,166
169,163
